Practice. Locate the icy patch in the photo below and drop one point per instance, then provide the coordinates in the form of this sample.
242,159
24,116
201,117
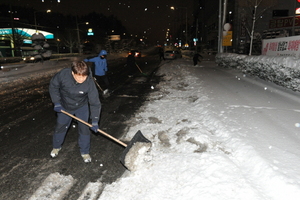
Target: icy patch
54,187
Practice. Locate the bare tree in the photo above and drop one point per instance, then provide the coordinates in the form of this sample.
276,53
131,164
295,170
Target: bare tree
17,39
71,40
257,9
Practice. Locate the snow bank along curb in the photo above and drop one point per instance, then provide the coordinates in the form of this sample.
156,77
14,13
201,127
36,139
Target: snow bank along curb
282,70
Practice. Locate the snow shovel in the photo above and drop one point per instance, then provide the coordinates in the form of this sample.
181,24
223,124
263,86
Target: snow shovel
137,138
140,70
100,88
98,85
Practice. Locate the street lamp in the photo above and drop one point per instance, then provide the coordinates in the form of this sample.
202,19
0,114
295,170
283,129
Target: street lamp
186,32
78,36
47,11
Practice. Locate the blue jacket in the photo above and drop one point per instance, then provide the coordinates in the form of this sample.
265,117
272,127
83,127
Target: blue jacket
100,64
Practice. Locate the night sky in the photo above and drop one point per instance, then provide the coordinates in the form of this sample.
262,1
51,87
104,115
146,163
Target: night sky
142,17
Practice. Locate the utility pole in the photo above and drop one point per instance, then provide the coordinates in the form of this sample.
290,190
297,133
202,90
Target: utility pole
13,32
221,24
294,18
78,36
220,49
197,35
186,25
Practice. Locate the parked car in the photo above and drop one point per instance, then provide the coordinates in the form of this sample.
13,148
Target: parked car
137,53
29,59
172,54
178,53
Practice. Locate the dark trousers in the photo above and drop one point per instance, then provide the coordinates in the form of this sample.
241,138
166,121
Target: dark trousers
195,61
103,79
63,124
161,56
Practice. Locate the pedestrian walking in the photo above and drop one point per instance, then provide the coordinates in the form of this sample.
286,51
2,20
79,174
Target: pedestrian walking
161,54
196,58
101,69
73,90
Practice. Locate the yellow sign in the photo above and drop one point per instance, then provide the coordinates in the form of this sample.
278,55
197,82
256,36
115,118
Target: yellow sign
227,39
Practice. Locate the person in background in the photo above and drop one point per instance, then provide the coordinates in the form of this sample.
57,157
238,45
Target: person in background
196,58
161,53
73,90
131,64
100,69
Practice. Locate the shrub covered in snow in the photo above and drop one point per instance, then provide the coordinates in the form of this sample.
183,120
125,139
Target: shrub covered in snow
282,70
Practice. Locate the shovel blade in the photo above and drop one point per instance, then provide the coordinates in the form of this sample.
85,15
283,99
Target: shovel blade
138,137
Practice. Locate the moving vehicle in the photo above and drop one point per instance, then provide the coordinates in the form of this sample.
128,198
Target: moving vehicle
172,54
137,53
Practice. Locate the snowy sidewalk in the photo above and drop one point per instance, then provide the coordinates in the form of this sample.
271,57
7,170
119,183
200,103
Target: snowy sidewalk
200,153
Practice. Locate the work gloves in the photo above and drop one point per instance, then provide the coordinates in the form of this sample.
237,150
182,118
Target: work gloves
58,107
95,127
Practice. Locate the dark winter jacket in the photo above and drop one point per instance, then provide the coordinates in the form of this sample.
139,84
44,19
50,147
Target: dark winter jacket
72,95
196,57
131,61
100,63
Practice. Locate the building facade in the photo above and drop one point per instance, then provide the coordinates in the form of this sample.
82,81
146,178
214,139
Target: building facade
272,18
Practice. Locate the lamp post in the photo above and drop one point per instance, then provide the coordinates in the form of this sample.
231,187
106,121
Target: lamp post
35,24
78,35
186,32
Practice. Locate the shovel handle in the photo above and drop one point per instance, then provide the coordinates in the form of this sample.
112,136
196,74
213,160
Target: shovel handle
98,85
139,68
84,122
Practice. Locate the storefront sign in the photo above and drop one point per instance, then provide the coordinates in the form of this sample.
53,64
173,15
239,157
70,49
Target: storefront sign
285,46
284,22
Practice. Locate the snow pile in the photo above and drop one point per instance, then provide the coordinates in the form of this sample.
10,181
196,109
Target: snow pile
194,154
282,70
135,155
